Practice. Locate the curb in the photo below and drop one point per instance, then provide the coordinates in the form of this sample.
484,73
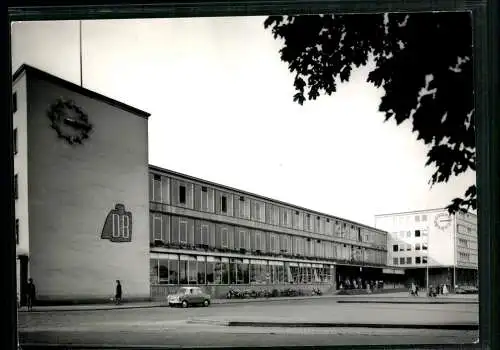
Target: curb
350,325
214,302
243,301
404,302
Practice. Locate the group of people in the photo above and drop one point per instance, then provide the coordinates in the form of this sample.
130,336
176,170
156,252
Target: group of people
432,292
31,294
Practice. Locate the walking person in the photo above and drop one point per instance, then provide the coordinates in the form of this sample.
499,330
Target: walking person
118,294
445,289
30,294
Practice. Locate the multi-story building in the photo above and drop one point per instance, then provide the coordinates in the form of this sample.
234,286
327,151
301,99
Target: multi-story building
86,217
206,233
433,246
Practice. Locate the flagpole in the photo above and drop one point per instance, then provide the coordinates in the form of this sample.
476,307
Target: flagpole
81,54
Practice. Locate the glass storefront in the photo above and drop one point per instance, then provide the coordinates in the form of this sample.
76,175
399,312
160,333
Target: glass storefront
174,269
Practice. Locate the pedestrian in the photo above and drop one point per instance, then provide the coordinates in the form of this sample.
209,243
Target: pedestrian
30,294
413,289
445,289
118,294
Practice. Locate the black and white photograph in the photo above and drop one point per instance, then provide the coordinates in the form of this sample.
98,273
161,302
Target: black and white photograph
296,180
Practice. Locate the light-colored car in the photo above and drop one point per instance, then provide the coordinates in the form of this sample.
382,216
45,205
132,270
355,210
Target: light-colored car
189,296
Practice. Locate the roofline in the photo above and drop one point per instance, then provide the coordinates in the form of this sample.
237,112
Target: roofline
232,189
416,211
77,88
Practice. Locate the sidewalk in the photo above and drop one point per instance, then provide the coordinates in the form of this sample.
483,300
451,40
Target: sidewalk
386,298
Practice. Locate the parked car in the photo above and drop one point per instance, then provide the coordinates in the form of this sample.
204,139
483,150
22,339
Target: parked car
189,296
466,290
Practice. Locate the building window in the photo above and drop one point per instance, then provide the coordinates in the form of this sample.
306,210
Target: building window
417,246
402,248
424,260
14,140
183,231
157,189
258,245
401,261
257,211
204,189
424,246
402,234
225,238
408,234
395,261
424,233
424,217
157,228
408,260
223,204
408,247
395,248
417,260
417,218
14,102
16,187
182,194
417,233
242,207
204,234
17,231
285,217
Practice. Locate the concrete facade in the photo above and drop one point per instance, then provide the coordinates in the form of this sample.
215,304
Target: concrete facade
223,238
443,245
72,188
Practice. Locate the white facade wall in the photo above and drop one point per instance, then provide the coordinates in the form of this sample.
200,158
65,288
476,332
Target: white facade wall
444,236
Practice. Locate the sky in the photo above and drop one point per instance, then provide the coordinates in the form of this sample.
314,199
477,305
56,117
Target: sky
221,104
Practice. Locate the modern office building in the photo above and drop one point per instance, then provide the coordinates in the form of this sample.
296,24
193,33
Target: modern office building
206,233
433,243
91,210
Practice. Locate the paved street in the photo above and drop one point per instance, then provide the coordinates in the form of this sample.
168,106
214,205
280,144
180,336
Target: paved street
199,326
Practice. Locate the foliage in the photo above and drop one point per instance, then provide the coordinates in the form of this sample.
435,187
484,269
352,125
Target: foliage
422,62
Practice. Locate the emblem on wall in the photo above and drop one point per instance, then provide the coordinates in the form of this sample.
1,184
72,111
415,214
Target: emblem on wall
442,221
118,225
69,121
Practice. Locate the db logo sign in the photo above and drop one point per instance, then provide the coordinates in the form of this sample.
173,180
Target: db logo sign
118,225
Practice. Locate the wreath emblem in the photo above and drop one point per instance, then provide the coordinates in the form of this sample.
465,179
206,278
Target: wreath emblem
69,121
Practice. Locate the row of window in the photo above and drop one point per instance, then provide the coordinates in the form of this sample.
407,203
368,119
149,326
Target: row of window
176,230
183,269
466,230
463,243
410,234
402,219
175,192
409,260
464,256
408,247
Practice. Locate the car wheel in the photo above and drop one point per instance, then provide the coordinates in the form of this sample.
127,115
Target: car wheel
184,304
206,302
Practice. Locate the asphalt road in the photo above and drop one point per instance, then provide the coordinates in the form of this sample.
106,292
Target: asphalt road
170,327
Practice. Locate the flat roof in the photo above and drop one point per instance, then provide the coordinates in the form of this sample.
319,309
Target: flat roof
77,88
231,189
417,212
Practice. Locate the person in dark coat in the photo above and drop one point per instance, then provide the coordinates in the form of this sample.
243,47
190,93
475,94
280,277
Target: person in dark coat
30,294
118,294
